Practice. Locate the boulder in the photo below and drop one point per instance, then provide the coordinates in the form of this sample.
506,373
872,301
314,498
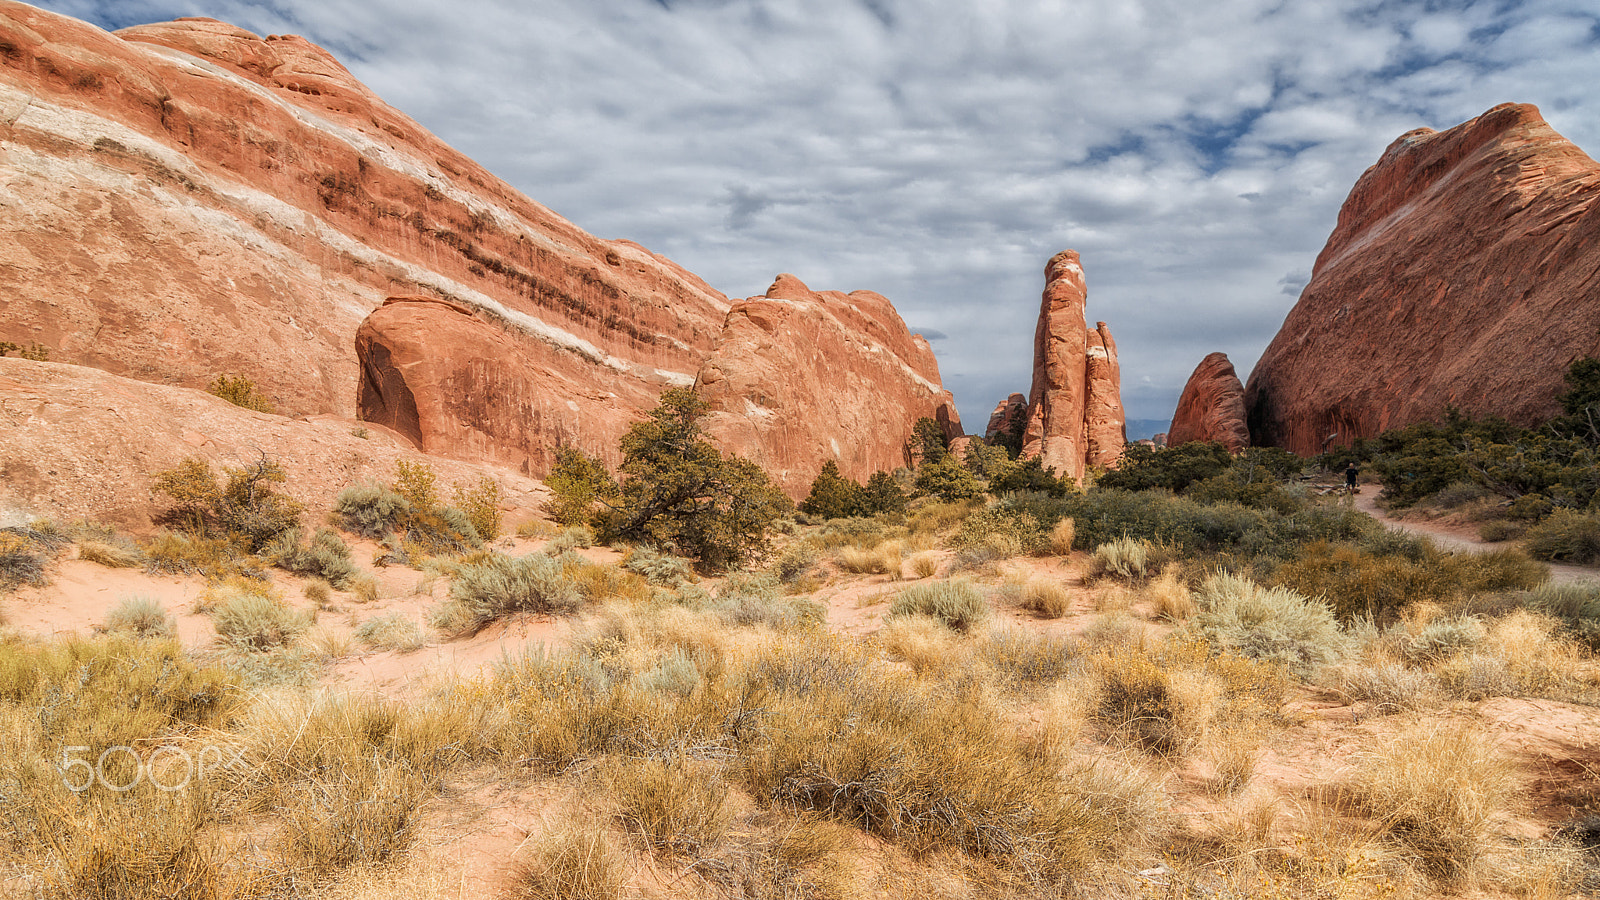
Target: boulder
1464,271
1075,416
1211,407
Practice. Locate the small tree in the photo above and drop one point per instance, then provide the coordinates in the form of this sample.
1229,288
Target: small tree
1028,475
883,494
246,507
678,491
947,480
928,443
834,496
577,481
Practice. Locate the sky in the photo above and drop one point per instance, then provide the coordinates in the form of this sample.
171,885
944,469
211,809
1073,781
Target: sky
940,152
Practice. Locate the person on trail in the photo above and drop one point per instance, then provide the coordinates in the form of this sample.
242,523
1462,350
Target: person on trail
1350,474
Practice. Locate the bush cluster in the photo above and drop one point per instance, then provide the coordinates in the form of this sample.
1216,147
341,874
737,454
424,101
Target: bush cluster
677,491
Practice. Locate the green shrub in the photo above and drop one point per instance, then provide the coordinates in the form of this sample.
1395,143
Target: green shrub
1576,605
795,563
576,537
502,585
1123,558
417,482
1566,536
1173,468
833,496
391,632
141,617
747,600
240,391
1276,625
1496,530
440,531
1459,494
657,567
481,503
1378,580
245,508
1000,525
679,492
370,510
326,556
251,621
948,480
182,554
957,604
1444,637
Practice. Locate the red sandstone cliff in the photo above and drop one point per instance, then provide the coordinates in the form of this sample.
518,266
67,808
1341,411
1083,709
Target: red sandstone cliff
1075,416
800,377
1464,270
1211,407
187,199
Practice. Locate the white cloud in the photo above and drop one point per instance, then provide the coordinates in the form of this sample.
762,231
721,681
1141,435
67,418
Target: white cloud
940,152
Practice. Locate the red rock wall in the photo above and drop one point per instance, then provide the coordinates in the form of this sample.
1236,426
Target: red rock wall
1075,416
1464,271
1211,407
187,199
799,377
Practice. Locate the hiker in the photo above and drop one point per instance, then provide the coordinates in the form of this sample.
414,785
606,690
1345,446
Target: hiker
1350,474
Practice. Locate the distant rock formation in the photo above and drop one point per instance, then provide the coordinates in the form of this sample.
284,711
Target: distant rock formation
188,199
1211,407
1010,415
1464,271
801,377
1075,415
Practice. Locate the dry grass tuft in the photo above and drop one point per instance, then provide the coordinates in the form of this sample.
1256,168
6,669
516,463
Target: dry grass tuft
364,587
1060,539
571,864
1046,599
925,565
1171,597
109,555
676,806
884,559
141,617
1435,791
319,592
926,644
955,603
391,632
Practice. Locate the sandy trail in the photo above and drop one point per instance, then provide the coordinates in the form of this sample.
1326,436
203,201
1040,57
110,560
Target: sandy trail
1460,539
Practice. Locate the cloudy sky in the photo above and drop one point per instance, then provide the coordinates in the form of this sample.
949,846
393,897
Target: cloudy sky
939,152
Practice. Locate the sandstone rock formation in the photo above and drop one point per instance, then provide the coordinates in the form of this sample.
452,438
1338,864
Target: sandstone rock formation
1010,415
1075,416
1211,407
799,377
187,199
1464,270
77,442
